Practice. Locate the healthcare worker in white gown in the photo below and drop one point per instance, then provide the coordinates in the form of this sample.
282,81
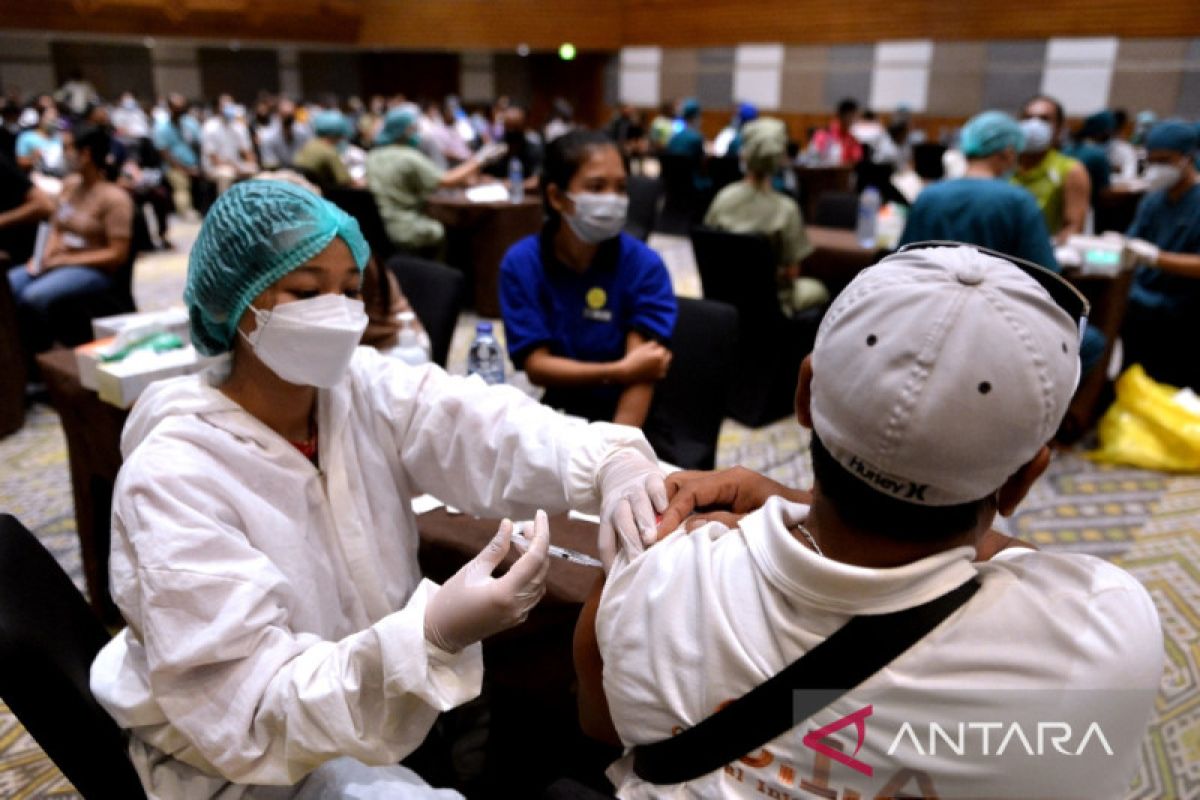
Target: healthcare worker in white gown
281,641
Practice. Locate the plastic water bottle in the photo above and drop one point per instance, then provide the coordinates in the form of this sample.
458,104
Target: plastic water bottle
833,156
409,349
484,358
516,181
868,211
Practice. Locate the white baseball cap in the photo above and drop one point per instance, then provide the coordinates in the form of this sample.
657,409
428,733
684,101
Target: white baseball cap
941,370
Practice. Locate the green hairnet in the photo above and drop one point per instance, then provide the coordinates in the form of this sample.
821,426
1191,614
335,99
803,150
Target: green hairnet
396,125
254,234
330,123
991,132
764,145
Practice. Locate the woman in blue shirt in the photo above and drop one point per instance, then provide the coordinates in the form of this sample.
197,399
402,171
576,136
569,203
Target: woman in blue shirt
588,310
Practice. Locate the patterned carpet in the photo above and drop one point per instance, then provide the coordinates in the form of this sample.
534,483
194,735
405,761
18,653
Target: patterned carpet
1146,522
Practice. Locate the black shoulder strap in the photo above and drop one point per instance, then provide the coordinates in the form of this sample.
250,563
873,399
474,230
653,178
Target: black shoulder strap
854,652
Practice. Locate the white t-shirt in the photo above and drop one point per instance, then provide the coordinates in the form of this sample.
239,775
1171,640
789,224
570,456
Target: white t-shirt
1049,639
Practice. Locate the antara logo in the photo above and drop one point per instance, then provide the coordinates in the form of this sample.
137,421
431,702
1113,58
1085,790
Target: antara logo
910,490
813,739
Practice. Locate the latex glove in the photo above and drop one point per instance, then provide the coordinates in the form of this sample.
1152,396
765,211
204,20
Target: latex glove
473,605
1143,251
631,491
1067,257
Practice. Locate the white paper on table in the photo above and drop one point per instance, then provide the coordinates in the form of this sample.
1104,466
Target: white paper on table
488,193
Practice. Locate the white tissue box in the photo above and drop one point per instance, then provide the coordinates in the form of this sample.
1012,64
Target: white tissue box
120,382
170,320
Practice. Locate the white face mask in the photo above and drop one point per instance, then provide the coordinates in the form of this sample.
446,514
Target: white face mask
309,342
1161,177
597,217
1038,135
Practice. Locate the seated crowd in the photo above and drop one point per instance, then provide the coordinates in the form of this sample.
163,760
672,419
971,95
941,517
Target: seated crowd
258,666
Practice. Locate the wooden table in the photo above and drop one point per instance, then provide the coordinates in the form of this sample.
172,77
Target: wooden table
815,181
837,257
1115,208
479,234
93,432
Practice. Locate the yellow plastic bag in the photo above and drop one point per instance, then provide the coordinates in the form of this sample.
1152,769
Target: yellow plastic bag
1146,427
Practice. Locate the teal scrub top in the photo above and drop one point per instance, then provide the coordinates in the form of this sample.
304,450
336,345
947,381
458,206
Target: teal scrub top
1175,228
987,212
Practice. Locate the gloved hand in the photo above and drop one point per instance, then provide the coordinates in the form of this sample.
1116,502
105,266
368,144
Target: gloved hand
1067,257
473,605
631,491
1143,251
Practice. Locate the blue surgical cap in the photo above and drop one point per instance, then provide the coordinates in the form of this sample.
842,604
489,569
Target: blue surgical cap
254,234
1173,134
1102,123
396,125
991,132
747,112
331,123
690,108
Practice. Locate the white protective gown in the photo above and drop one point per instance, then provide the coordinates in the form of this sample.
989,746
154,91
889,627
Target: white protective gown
276,611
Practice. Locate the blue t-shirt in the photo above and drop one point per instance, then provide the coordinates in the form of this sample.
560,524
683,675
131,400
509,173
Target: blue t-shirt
584,316
1174,227
985,212
179,140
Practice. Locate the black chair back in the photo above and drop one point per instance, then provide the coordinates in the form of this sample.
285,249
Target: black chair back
740,270
435,293
643,205
48,640
927,160
837,210
12,359
689,404
682,203
360,204
724,171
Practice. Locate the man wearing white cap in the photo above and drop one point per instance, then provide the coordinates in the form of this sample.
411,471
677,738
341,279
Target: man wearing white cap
937,379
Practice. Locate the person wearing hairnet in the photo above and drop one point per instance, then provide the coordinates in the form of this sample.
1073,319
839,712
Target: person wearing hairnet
281,641
979,209
1163,317
402,178
320,158
729,140
753,206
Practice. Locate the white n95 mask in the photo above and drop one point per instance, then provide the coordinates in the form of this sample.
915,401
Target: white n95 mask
309,342
598,216
1038,135
1161,177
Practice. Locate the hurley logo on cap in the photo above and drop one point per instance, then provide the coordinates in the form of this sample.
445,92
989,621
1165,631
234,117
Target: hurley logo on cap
897,487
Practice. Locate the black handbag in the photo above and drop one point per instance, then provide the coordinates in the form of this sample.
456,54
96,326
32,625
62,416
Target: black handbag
855,652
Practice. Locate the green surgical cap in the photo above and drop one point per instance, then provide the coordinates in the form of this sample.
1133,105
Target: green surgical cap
254,234
396,125
331,123
991,132
764,145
